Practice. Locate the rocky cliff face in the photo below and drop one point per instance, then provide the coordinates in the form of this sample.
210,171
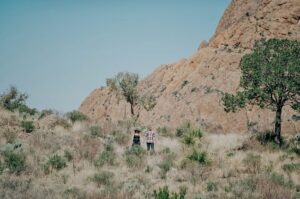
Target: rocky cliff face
191,89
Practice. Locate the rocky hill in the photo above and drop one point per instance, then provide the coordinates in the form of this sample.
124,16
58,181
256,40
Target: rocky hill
191,89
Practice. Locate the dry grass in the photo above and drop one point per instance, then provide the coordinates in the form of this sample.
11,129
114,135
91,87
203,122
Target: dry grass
238,167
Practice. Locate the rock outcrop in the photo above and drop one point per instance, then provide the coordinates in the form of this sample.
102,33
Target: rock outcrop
192,88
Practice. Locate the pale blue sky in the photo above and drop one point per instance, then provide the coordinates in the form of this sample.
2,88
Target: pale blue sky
58,51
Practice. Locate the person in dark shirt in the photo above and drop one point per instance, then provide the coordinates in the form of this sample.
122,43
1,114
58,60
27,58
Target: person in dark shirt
136,137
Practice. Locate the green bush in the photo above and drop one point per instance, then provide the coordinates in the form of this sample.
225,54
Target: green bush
103,178
200,157
164,193
108,156
45,112
28,126
76,116
279,179
165,131
188,139
134,156
294,145
95,131
12,99
14,161
183,129
25,109
211,186
68,155
2,167
56,162
291,167
266,137
295,149
189,133
167,162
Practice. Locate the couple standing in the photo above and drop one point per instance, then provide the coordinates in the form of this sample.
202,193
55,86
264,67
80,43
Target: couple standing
150,135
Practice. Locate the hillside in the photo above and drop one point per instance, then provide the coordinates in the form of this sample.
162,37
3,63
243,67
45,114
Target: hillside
83,160
201,152
191,89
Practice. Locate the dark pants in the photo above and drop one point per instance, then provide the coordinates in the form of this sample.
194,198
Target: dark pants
150,146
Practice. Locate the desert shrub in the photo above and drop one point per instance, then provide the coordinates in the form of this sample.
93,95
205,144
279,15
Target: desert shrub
45,113
103,178
13,99
10,136
108,156
68,155
121,138
266,137
14,161
253,163
76,116
23,108
211,186
279,179
180,131
134,156
188,139
2,167
95,131
164,193
198,156
75,193
55,162
165,131
291,167
60,122
189,133
294,145
28,126
166,164
294,149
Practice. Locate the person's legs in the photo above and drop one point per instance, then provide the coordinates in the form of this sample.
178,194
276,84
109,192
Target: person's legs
148,146
152,146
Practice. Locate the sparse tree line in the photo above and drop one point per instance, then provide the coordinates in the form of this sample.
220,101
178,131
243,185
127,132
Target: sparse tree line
270,79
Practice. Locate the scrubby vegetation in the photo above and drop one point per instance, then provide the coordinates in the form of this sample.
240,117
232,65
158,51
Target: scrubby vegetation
164,193
75,116
48,155
28,126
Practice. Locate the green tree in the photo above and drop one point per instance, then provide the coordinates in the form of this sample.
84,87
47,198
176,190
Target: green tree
13,99
270,79
125,85
76,116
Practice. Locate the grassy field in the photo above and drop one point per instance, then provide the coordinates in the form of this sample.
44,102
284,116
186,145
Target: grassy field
51,156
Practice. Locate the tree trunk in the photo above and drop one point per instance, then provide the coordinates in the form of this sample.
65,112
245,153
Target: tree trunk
278,124
132,110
